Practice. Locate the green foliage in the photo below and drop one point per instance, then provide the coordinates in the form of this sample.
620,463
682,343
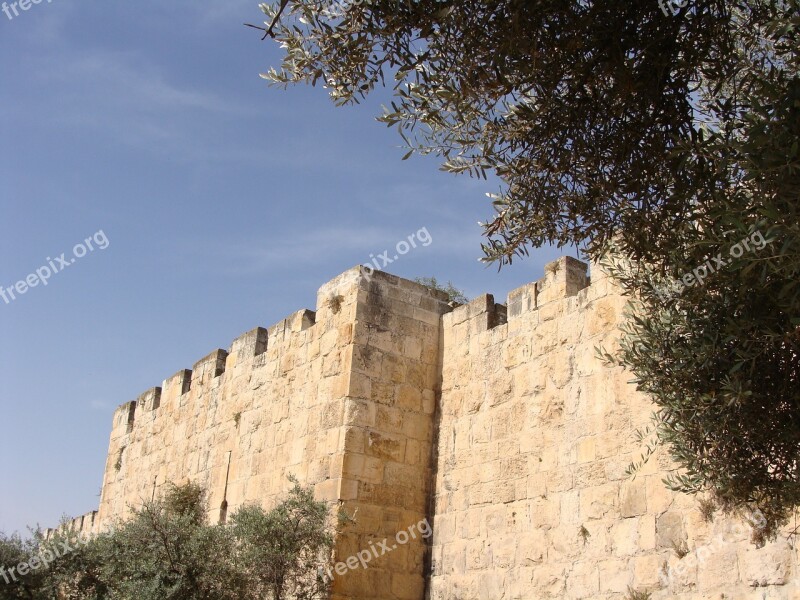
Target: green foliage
592,114
186,501
720,358
456,295
14,550
658,141
75,574
286,549
166,550
63,566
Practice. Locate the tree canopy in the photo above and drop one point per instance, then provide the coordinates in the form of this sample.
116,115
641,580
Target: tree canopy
168,550
595,115
657,135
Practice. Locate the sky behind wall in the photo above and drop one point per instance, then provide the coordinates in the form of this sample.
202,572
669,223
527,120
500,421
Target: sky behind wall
225,204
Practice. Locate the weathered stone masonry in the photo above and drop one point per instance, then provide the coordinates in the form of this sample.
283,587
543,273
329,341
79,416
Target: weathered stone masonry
496,422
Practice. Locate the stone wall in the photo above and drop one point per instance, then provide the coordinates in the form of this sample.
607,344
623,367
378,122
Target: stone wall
532,499
496,423
240,421
342,399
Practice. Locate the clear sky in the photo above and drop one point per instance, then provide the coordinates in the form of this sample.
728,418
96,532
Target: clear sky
214,204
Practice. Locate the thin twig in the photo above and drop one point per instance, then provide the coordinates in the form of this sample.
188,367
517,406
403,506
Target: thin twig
268,31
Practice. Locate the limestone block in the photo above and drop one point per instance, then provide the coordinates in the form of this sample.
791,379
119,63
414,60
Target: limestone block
567,544
633,498
504,551
670,531
493,522
401,473
428,401
468,524
717,567
445,530
625,537
532,548
417,426
551,579
209,367
559,480
583,580
770,565
600,501
386,446
601,316
477,556
570,508
615,576
327,490
544,512
586,450
679,574
609,444
646,572
361,386
490,585
513,468
319,470
407,586
659,498
359,413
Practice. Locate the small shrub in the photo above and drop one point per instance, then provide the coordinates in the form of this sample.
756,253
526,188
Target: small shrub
455,295
335,303
707,509
584,534
187,500
680,548
118,464
637,595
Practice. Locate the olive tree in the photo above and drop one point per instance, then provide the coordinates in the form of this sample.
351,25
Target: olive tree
647,133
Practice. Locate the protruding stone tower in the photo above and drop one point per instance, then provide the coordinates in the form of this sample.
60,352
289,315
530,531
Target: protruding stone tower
342,399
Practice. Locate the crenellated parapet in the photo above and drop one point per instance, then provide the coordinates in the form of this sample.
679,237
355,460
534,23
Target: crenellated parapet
495,422
83,526
208,371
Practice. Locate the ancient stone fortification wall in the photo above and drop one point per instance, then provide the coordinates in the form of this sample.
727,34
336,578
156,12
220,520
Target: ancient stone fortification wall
535,434
342,399
496,422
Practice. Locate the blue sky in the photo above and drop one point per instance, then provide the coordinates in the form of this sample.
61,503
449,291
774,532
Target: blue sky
226,203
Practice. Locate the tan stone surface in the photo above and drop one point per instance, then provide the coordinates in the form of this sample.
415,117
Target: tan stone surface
566,452
497,423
